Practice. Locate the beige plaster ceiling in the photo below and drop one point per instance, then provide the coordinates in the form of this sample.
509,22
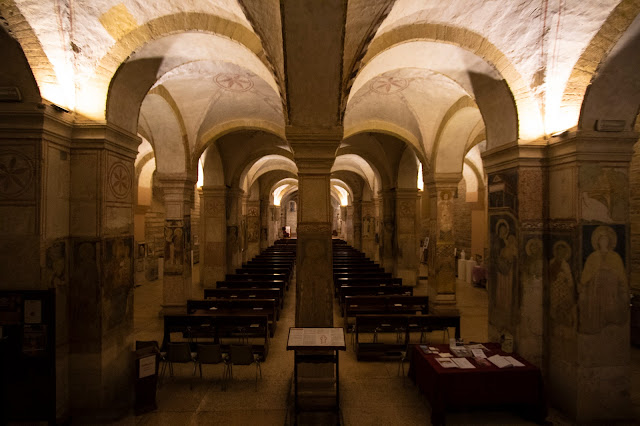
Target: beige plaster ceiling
186,74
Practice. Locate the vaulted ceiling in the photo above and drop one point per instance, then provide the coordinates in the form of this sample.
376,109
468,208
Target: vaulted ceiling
441,77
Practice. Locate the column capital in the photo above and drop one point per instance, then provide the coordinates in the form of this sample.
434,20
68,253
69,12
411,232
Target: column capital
406,193
235,192
314,148
213,191
440,181
178,194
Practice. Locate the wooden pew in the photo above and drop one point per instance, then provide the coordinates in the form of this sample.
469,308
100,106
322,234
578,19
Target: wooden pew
218,328
233,307
371,291
280,285
398,330
244,293
372,282
387,304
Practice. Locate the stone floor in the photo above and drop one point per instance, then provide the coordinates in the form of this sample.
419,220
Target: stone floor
371,393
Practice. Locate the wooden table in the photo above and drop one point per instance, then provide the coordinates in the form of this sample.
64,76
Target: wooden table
519,388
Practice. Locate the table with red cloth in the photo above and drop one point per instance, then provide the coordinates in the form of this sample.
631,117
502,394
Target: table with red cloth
481,387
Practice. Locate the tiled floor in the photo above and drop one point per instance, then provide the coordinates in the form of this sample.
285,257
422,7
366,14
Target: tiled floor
372,393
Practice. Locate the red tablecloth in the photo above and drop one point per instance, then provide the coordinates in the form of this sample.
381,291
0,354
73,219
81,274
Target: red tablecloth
484,386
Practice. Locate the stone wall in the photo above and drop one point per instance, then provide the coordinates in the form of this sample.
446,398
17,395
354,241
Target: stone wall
462,219
634,218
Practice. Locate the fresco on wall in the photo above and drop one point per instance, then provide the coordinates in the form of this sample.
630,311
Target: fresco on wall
562,291
504,262
118,280
445,216
532,268
55,272
174,246
603,193
253,229
503,190
603,295
84,296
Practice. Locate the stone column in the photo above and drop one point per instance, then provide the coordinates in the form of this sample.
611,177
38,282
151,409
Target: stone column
368,229
442,267
387,232
275,227
213,244
349,225
264,224
357,225
100,298
314,153
253,230
588,288
234,221
517,190
177,286
407,253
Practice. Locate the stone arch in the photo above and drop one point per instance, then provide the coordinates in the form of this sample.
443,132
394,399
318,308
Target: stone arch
170,158
611,100
591,61
30,71
408,170
15,73
526,120
228,127
387,128
453,134
261,163
109,83
213,170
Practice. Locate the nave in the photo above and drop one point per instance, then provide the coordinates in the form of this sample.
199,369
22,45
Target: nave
372,392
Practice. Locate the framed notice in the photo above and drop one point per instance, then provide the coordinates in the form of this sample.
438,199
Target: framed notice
32,311
316,338
147,366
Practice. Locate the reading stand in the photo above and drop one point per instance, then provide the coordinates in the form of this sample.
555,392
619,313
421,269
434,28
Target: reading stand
316,345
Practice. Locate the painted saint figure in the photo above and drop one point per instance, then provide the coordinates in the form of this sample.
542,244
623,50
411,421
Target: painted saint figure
507,254
603,290
562,285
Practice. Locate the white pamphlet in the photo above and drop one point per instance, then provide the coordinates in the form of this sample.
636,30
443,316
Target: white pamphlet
478,353
514,361
463,363
446,362
499,361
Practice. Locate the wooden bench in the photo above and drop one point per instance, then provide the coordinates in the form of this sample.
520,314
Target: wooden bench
372,282
344,291
280,285
360,305
244,293
233,307
217,328
397,332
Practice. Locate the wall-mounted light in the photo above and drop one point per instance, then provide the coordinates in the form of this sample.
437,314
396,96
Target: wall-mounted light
10,94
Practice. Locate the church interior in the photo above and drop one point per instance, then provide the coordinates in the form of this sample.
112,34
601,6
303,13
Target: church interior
482,154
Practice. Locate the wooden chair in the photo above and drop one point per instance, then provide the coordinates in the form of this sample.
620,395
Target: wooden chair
209,353
243,355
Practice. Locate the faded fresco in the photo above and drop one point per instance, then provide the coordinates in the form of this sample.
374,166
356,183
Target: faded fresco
504,262
503,190
604,193
445,216
532,268
603,294
55,272
174,246
562,290
84,296
118,280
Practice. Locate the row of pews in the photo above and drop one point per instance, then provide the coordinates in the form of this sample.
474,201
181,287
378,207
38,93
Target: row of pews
243,308
382,314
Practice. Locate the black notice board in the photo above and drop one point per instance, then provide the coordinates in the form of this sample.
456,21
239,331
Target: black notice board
27,356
